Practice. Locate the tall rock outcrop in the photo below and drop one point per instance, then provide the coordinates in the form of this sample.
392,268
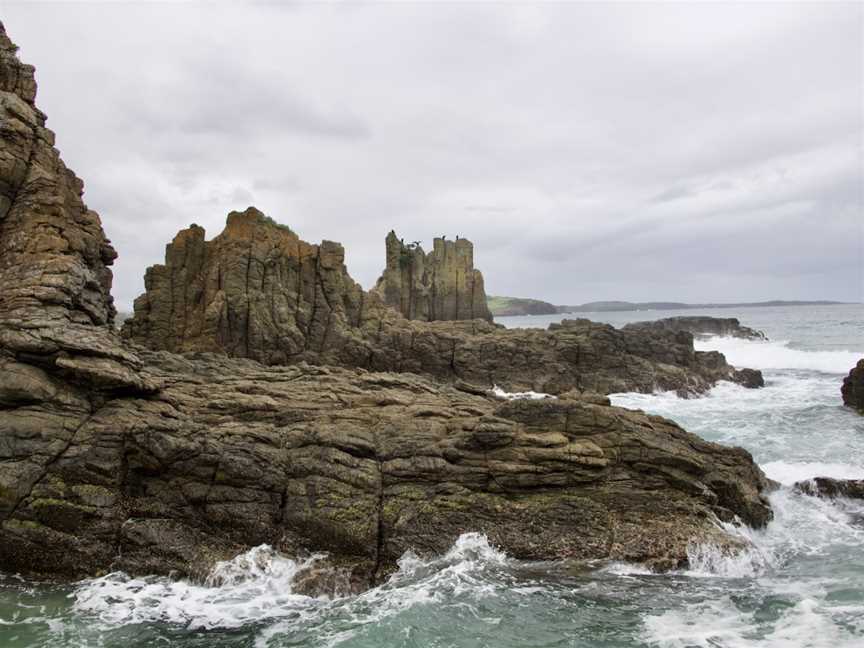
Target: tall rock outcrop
853,387
59,354
257,291
441,285
152,461
56,309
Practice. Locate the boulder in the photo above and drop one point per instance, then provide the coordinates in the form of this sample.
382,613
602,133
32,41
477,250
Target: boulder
440,285
853,387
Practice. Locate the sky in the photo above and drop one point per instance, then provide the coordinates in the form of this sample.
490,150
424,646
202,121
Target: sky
683,152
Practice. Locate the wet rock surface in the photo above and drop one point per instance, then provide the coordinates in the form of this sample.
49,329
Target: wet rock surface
701,326
829,487
852,390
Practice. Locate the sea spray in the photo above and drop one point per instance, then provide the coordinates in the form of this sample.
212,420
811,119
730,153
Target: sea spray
780,355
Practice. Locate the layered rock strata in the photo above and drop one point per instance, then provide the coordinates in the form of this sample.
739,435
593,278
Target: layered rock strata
440,285
257,291
701,326
852,390
113,457
365,466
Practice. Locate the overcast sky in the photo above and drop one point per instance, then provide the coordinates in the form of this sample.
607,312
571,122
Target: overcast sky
687,152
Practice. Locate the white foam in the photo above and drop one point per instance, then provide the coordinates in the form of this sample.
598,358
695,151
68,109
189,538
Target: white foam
721,623
789,472
779,355
526,395
253,586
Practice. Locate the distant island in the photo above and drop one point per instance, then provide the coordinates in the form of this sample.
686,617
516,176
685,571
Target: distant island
512,306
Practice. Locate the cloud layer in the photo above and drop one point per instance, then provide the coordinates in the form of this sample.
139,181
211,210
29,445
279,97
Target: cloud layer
687,152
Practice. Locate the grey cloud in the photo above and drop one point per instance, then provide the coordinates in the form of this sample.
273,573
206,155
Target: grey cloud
640,151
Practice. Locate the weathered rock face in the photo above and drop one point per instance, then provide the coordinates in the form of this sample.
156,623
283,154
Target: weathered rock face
441,285
699,325
231,454
59,354
853,387
828,487
257,291
55,303
113,457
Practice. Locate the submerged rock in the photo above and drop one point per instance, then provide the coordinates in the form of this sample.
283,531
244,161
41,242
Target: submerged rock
828,487
853,387
121,457
257,291
441,285
701,325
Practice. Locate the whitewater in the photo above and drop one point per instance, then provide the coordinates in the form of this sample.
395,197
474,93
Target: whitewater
800,585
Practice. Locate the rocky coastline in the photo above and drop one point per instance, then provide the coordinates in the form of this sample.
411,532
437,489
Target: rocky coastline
260,395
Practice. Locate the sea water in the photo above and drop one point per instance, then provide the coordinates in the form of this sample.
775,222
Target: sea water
800,585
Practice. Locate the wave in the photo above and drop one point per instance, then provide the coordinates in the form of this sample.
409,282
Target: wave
526,395
253,586
258,585
806,531
779,355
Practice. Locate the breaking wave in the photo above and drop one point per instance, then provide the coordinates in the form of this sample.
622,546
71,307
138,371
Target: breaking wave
779,355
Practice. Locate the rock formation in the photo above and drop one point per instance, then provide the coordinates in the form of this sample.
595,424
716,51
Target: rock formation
257,291
853,387
828,487
364,466
441,285
701,325
113,457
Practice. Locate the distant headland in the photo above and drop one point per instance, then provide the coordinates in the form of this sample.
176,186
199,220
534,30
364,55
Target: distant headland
512,306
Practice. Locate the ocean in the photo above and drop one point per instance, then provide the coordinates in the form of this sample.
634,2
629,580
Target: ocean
801,585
